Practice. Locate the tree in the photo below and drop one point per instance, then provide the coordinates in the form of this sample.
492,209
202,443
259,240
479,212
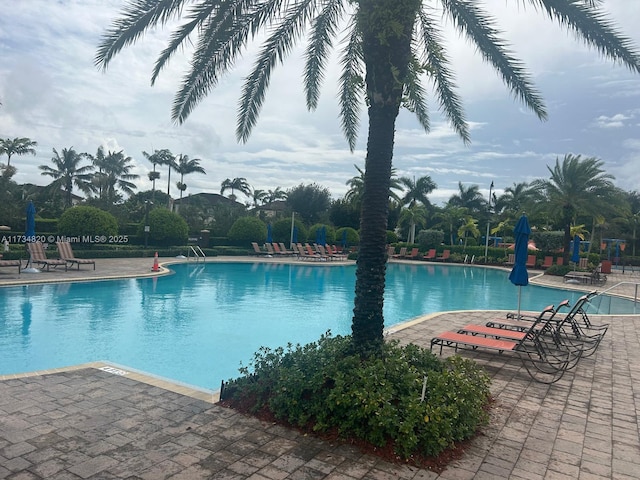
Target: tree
311,201
469,198
165,157
17,146
412,216
515,200
239,184
185,167
158,157
451,217
115,174
576,185
258,197
469,227
415,193
274,195
68,173
391,47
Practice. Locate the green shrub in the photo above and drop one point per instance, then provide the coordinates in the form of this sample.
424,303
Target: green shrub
322,386
392,237
353,237
313,231
166,228
90,221
246,230
429,238
560,270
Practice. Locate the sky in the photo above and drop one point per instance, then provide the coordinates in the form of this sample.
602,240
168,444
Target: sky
52,92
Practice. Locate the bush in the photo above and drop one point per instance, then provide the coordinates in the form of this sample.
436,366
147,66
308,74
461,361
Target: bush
560,270
392,237
83,220
166,228
353,237
323,387
429,238
313,232
246,230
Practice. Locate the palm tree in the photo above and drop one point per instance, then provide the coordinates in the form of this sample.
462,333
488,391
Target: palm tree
239,184
68,173
258,197
273,195
576,186
356,188
391,47
469,227
185,167
515,200
17,146
413,215
469,198
451,217
416,193
116,173
158,157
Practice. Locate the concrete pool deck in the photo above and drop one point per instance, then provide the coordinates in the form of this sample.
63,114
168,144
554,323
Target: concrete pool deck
100,422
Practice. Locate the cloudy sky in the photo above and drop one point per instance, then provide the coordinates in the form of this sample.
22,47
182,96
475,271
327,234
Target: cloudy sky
51,92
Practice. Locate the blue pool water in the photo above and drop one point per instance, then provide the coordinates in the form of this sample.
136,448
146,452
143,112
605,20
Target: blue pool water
198,325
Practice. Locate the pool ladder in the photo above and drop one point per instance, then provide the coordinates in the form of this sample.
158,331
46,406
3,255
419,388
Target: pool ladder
197,253
602,305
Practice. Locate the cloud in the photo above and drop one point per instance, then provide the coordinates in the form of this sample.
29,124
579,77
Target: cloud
616,121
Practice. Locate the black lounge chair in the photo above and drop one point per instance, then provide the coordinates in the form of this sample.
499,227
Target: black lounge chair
543,357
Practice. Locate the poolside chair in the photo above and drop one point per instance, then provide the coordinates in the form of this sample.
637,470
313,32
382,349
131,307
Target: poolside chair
545,363
284,250
560,261
270,251
531,261
430,255
257,250
11,263
276,248
391,250
511,260
444,257
37,256
66,253
413,253
403,252
548,261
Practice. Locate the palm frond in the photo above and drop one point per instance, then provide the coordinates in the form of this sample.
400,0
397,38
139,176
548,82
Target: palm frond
135,19
221,40
322,33
437,65
198,16
275,49
479,29
415,95
593,27
352,86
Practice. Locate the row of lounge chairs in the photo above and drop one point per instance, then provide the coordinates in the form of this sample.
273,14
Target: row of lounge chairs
547,344
414,254
38,257
301,252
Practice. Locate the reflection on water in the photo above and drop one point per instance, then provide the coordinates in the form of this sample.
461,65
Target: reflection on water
198,324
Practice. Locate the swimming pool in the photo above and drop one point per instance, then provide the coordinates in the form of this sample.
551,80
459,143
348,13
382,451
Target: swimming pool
197,325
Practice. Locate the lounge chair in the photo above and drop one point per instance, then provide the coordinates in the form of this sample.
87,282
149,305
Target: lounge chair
257,250
270,251
66,253
560,261
277,250
511,260
583,263
531,261
403,252
573,329
37,256
430,255
444,257
544,362
413,253
11,263
391,251
548,262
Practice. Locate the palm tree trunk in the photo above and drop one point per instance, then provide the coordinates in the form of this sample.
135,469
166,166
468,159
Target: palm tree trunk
386,58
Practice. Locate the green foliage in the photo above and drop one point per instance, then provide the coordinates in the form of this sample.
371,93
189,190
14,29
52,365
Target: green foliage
313,232
353,237
392,237
560,270
166,228
246,230
311,202
429,238
548,241
84,220
323,386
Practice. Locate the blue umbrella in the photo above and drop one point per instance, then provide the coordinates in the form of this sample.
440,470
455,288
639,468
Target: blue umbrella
323,235
30,230
294,237
575,257
318,236
519,275
344,238
269,235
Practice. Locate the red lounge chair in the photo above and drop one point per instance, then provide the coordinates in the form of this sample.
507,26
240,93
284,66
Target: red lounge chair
531,261
413,253
431,254
548,261
445,256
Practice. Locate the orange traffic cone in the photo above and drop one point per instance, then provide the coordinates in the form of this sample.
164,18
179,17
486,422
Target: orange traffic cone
156,267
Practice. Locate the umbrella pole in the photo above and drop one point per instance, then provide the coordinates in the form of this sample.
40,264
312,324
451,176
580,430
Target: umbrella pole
519,299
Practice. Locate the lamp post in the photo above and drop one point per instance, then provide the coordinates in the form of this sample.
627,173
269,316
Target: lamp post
146,222
486,244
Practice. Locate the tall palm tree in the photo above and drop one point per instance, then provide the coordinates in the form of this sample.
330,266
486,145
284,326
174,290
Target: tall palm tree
185,167
451,217
468,228
258,197
239,184
576,186
273,195
416,193
68,173
414,215
158,157
356,188
514,200
469,198
117,176
17,146
390,49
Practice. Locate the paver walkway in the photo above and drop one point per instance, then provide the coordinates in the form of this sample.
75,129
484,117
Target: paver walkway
89,423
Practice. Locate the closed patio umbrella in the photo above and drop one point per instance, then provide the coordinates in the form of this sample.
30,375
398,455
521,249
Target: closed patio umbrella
575,256
30,233
519,275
